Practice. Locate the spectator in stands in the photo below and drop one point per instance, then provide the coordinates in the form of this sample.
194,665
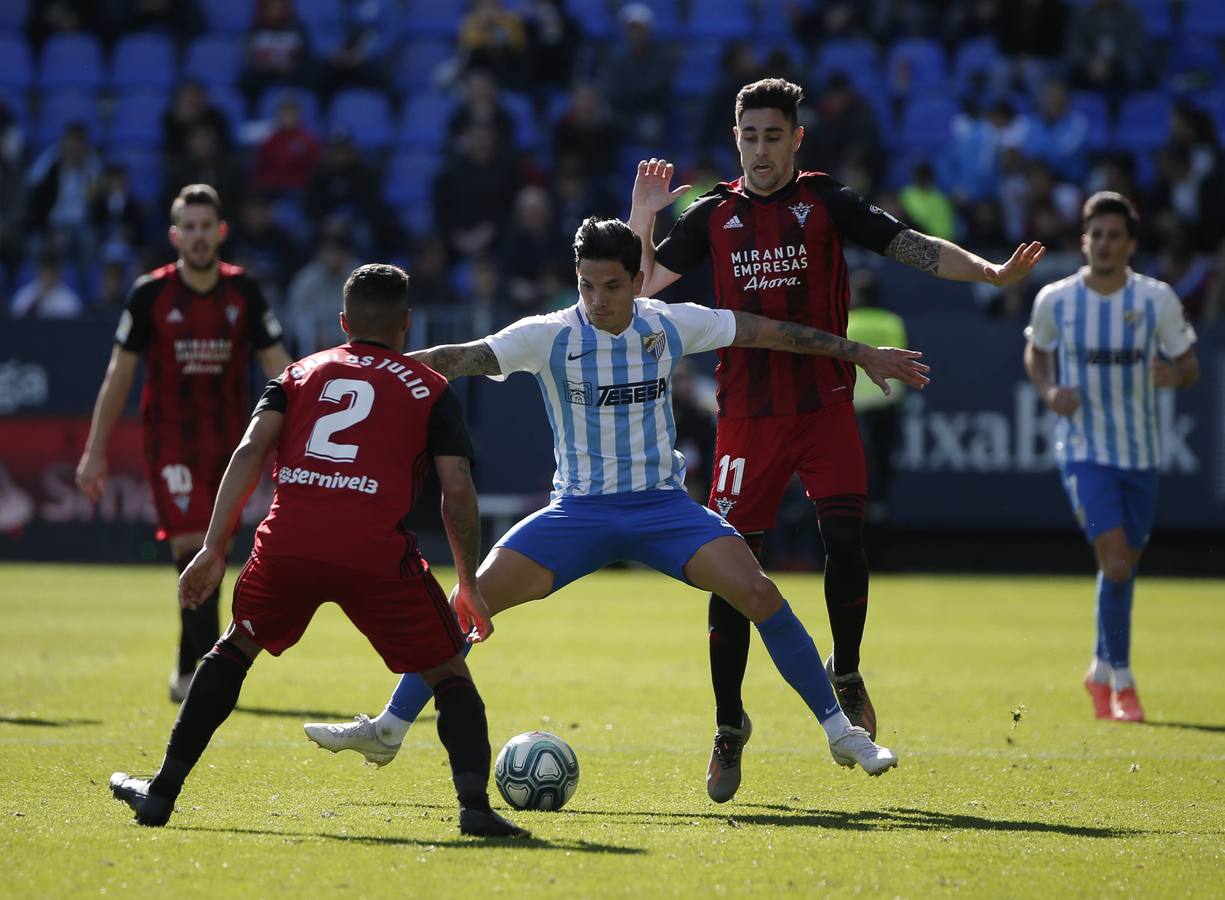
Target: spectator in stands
191,109
1106,47
972,159
258,242
276,51
845,131
576,194
344,185
62,183
814,24
287,157
47,296
1192,275
533,254
118,217
1192,194
486,291
492,37
181,19
1057,135
637,78
356,58
48,17
739,66
1032,30
481,104
206,162
926,206
985,229
114,279
314,293
473,194
431,279
553,40
587,132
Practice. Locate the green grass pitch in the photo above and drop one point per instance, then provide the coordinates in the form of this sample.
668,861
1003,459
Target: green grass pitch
1040,802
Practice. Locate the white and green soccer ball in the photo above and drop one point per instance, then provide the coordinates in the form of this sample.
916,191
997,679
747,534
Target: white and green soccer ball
536,770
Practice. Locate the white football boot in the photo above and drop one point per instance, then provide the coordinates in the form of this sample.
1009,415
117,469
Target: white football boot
359,735
854,747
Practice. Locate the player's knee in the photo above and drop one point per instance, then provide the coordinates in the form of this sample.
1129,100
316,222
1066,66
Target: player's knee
1116,566
759,598
236,648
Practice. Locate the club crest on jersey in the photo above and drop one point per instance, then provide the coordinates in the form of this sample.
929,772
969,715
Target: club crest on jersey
801,211
231,313
182,502
654,343
725,505
579,392
1131,317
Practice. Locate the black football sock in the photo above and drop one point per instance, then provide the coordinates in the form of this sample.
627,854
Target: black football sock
729,650
846,588
187,655
464,733
199,628
210,700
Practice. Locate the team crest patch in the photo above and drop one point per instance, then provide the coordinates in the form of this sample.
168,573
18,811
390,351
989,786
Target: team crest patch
231,313
579,392
801,211
654,343
182,502
725,505
1131,317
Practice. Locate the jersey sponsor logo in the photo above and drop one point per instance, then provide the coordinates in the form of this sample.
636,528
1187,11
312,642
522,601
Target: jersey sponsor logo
579,392
1110,357
203,356
733,222
801,211
757,266
336,481
634,392
174,316
654,344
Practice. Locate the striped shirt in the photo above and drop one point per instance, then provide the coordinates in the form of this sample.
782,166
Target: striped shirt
607,395
1105,347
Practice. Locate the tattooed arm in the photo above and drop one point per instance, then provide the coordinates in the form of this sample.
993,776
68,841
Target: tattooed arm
758,332
457,360
944,259
462,518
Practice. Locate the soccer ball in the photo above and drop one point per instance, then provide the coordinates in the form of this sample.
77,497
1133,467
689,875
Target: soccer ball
536,770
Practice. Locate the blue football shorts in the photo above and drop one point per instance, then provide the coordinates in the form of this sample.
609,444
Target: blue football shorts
575,536
1106,497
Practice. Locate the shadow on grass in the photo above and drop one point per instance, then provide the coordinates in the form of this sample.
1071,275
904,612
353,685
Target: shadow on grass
569,846
35,722
1190,726
325,715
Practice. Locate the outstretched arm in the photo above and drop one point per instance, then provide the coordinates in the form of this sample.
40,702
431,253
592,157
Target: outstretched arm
651,194
457,360
462,518
944,259
879,363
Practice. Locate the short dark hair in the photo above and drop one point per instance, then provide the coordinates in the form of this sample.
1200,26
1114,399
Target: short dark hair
195,195
1111,203
609,239
376,297
771,93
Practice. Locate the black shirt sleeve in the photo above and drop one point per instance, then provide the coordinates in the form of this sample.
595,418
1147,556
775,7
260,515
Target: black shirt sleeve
274,397
135,331
263,328
448,435
688,243
857,219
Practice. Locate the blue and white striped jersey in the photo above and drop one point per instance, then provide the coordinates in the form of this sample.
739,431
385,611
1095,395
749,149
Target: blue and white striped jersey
608,396
1105,346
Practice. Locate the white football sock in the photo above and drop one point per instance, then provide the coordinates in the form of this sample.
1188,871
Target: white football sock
836,725
1122,679
1099,670
390,728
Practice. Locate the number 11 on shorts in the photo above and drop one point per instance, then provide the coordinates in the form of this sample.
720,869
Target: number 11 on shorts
736,468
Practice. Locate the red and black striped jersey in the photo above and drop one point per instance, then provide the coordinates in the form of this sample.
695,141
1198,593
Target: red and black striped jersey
362,426
781,257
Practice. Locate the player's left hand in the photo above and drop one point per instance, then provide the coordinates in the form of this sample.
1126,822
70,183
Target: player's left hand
651,186
1020,265
200,578
881,363
474,616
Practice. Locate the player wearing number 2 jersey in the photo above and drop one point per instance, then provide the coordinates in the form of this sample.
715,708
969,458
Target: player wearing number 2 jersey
774,238
352,430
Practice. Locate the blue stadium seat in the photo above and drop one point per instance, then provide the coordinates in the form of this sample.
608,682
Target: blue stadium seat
231,16
523,111
145,60
1206,17
16,62
975,58
1144,121
144,165
214,59
15,102
1158,18
13,14
410,179
1094,108
915,64
58,108
593,19
926,119
1194,57
266,108
1213,103
418,63
669,23
698,67
324,21
71,61
435,18
849,55
423,125
232,105
774,19
726,19
137,118
366,114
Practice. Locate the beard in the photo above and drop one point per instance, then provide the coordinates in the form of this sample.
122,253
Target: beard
209,261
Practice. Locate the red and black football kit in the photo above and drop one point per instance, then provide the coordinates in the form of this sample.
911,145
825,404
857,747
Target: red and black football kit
782,413
362,426
195,402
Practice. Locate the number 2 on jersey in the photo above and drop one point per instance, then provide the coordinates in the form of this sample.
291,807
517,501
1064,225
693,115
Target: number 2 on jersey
321,445
736,467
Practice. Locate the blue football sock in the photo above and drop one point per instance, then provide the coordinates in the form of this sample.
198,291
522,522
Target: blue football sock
1114,616
412,693
796,658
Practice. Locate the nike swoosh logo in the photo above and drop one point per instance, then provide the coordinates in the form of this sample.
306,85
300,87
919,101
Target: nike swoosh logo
574,356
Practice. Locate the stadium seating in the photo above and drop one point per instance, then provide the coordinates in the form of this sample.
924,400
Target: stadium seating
71,61
232,105
410,179
1158,18
1094,108
366,114
523,111
418,63
144,164
593,18
137,118
1144,122
1204,17
975,58
849,56
232,16
214,59
13,15
698,68
915,65
669,23
144,61
62,107
727,19
435,18
269,99
925,121
16,62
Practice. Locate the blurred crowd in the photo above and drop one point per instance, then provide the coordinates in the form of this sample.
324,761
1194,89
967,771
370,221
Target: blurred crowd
466,140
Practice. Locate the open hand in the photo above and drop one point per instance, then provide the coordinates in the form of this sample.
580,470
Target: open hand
200,578
651,192
1020,265
890,362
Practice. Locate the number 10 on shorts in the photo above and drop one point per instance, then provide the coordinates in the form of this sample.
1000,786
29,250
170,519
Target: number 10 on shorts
736,468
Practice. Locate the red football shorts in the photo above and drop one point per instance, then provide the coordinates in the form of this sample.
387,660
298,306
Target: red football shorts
183,493
755,459
407,620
